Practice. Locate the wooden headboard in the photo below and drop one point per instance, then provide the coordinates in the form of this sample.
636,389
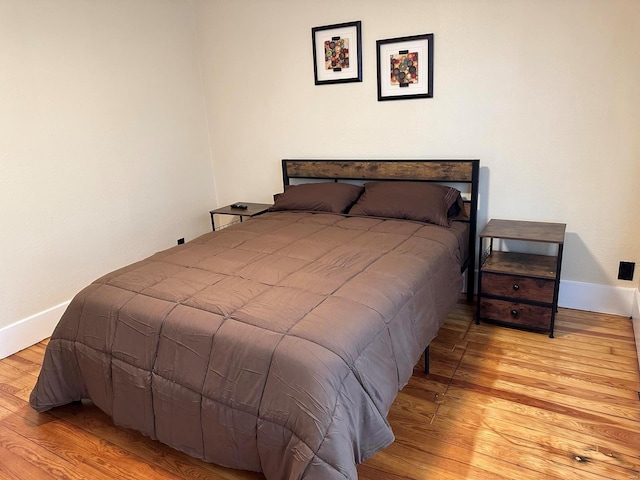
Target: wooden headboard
438,171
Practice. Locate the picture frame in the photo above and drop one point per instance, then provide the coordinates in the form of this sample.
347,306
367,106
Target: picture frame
405,67
331,64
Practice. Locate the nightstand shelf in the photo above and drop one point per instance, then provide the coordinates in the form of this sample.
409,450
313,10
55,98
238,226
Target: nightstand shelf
252,210
519,289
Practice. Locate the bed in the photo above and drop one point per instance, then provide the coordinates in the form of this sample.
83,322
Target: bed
278,344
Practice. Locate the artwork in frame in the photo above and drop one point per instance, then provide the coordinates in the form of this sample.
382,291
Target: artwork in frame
405,67
337,53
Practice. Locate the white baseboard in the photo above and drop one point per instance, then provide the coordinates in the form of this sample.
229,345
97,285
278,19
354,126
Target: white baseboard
596,298
29,331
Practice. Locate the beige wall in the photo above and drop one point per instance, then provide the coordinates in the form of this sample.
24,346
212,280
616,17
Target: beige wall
104,152
107,135
544,92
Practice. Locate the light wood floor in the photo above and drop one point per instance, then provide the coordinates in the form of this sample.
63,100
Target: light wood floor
499,403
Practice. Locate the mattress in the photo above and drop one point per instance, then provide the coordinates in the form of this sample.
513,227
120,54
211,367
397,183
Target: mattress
275,345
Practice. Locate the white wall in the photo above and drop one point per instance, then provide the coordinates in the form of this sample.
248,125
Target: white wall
544,92
104,150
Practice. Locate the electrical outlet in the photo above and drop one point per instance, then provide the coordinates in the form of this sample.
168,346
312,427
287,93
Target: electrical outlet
625,270
180,241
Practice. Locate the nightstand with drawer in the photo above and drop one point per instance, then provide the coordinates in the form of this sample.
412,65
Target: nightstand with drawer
520,289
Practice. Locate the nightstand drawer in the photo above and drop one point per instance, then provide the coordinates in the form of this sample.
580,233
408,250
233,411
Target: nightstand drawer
516,313
513,286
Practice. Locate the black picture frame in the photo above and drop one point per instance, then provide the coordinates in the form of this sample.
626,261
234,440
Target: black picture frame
327,70
399,78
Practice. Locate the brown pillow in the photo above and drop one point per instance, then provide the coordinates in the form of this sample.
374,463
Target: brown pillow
318,197
421,201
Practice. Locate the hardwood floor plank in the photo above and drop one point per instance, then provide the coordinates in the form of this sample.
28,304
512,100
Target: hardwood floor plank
596,321
598,382
11,404
31,355
404,459
603,423
23,458
498,404
93,421
486,451
18,464
604,431
624,369
566,443
499,435
544,392
491,333
468,428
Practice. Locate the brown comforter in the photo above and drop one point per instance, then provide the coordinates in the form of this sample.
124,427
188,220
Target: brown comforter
275,345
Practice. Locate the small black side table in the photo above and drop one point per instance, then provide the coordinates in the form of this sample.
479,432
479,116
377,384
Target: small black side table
252,210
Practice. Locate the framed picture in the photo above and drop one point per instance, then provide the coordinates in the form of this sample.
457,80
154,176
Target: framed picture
337,53
405,67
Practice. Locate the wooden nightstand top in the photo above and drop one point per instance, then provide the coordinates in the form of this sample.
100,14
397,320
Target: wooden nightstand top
524,230
251,210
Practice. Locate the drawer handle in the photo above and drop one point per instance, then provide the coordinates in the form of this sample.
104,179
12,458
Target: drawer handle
514,313
516,287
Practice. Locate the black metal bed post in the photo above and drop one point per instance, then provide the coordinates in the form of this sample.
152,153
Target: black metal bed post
426,360
285,173
473,226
